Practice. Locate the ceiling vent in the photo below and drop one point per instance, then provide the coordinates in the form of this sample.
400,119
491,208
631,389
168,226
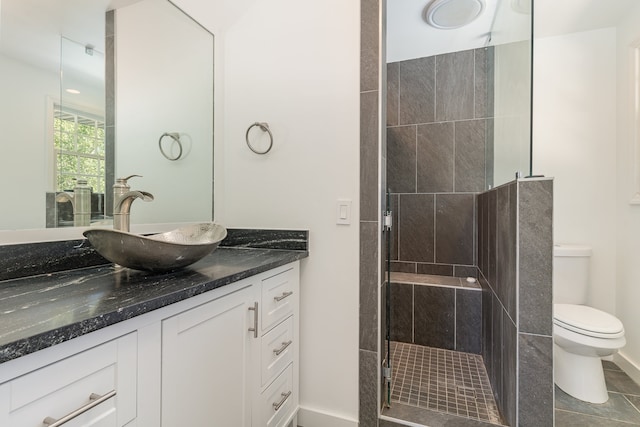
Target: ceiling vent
450,14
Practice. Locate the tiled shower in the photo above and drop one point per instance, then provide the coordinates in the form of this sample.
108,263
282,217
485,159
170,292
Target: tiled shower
439,123
436,167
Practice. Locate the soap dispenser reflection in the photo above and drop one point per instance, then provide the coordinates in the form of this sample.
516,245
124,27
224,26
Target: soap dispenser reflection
123,197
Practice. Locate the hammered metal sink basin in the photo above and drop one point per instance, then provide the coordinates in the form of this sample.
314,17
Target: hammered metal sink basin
158,252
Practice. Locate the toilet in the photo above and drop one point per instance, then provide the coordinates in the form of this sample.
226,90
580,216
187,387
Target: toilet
582,335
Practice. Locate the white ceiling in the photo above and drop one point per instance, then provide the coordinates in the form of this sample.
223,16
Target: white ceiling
555,17
409,36
31,31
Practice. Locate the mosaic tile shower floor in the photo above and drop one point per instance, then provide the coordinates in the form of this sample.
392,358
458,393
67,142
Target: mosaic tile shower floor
442,380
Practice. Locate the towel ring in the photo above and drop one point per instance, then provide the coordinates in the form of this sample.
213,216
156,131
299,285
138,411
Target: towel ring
265,128
176,138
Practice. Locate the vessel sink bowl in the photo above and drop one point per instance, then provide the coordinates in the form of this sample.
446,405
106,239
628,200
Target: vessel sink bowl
157,252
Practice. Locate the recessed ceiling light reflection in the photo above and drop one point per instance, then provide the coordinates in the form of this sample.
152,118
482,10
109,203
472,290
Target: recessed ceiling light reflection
73,91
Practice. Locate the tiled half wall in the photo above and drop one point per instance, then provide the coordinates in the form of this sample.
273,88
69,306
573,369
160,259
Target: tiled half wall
515,253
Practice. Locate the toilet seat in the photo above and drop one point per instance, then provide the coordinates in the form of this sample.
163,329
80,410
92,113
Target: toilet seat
587,320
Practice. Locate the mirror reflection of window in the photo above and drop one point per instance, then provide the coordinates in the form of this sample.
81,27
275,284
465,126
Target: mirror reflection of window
78,137
78,143
79,118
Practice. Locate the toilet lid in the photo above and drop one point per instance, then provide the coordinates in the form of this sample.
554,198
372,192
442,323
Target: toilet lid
587,321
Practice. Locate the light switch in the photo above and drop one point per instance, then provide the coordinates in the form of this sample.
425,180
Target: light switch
343,211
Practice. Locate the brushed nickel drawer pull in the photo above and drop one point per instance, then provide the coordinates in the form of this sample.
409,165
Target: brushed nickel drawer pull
285,344
283,296
277,405
255,319
95,400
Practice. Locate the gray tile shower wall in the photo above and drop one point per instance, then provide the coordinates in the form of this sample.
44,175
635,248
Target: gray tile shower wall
437,316
439,114
515,247
370,394
535,323
454,224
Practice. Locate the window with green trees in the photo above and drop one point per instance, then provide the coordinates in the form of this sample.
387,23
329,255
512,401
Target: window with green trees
79,149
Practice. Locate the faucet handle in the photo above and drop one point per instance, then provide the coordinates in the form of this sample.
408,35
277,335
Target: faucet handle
121,185
124,180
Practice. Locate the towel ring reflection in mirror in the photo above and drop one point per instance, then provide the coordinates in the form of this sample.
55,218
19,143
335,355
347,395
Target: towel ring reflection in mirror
265,128
175,136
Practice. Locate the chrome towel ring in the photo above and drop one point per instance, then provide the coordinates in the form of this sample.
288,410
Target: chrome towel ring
265,128
176,138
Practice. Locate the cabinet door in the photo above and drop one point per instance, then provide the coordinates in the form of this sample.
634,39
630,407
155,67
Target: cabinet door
205,363
98,384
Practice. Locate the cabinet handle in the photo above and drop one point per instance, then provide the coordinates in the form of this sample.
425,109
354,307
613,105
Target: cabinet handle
95,400
255,319
283,296
285,344
285,396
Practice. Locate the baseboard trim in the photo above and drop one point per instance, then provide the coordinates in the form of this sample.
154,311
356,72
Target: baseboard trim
314,418
627,365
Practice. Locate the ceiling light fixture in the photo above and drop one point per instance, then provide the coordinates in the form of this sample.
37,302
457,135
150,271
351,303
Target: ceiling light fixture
450,14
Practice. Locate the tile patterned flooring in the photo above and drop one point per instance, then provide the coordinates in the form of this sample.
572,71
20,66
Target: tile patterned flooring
451,384
621,410
440,380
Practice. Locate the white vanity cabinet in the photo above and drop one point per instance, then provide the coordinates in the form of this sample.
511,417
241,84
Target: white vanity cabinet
97,385
224,358
276,400
206,362
233,361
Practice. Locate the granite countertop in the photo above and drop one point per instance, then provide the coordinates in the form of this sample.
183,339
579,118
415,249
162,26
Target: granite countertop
43,310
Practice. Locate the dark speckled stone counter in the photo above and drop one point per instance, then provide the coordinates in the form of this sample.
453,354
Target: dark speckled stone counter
40,311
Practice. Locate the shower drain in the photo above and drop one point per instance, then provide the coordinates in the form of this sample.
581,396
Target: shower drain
466,392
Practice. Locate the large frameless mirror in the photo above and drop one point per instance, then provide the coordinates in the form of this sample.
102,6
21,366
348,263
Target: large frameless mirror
89,89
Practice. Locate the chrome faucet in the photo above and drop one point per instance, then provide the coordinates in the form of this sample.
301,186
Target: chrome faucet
80,203
123,197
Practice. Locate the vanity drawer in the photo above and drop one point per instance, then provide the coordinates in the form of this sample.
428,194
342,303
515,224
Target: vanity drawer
106,372
277,402
277,298
277,350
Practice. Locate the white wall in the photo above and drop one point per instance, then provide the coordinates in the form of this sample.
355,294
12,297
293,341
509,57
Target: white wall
295,65
574,134
23,162
628,216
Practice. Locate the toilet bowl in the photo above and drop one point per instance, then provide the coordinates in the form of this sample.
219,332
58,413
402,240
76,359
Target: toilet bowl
582,335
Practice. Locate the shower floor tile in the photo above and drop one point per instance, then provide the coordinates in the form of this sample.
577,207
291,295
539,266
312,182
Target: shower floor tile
442,380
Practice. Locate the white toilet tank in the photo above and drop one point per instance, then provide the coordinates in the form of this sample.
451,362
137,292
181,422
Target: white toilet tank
570,273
